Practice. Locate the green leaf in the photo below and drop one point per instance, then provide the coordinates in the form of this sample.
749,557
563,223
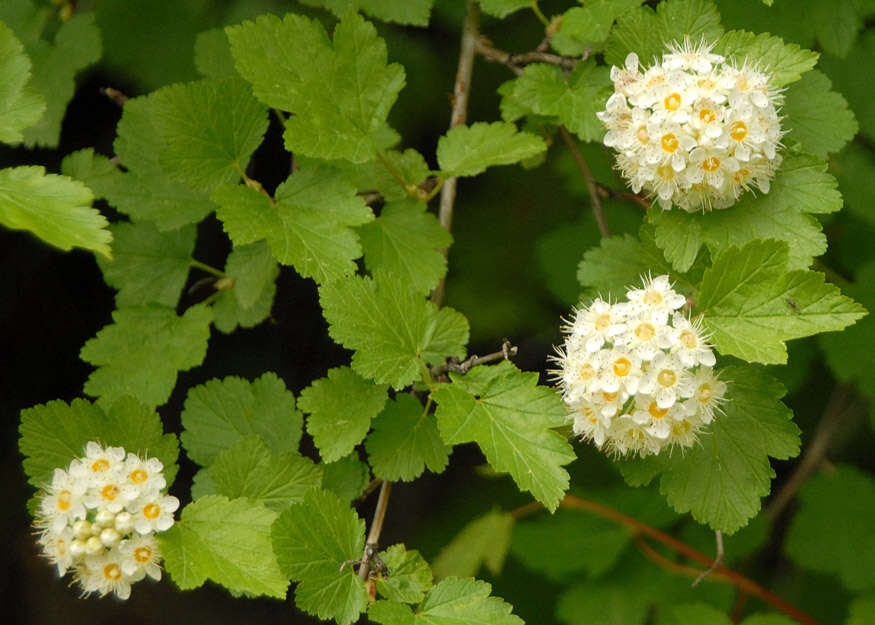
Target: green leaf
219,413
393,330
504,411
861,610
544,90
20,106
208,129
584,29
372,176
484,541
227,541
751,304
141,352
341,406
845,73
851,353
55,208
346,478
212,54
503,8
693,614
340,92
249,469
817,117
146,192
836,25
76,45
767,619
312,540
148,266
246,215
405,441
249,301
454,601
53,434
831,519
645,31
785,62
469,150
801,186
412,12
409,576
406,240
619,262
569,542
722,479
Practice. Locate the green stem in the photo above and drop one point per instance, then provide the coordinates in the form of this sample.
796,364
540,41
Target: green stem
426,377
435,191
393,171
209,269
539,14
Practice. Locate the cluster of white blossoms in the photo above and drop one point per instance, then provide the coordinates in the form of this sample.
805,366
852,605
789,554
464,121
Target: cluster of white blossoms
694,131
637,375
99,518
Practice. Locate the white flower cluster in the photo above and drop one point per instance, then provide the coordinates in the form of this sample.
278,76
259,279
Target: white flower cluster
638,375
99,518
694,130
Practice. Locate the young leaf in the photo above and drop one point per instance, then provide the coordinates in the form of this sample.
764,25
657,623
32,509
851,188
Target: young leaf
503,8
393,330
751,304
409,166
76,45
801,186
209,129
454,601
408,578
145,192
484,541
55,208
785,62
144,348
312,540
584,29
341,406
817,117
53,434
504,411
412,12
20,106
212,54
227,541
219,413
618,262
406,240
405,441
722,479
148,266
828,521
469,150
249,469
645,31
346,478
249,301
340,92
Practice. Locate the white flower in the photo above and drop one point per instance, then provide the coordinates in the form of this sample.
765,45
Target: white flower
707,396
64,501
657,297
153,513
56,547
598,323
691,347
141,476
688,125
141,553
103,574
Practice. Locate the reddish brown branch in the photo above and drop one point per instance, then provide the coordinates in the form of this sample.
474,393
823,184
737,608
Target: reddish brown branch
588,179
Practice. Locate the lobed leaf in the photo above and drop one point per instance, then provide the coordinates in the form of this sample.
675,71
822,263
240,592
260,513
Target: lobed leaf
408,578
484,541
469,150
249,300
20,106
785,62
817,117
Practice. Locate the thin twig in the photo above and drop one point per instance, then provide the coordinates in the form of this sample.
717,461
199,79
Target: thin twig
470,33
814,452
376,529
653,555
516,62
506,352
639,527
718,560
588,179
607,193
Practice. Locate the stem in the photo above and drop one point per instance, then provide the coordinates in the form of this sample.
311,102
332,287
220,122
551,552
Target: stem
590,181
376,529
718,560
639,527
814,452
470,34
205,267
507,350
515,62
539,14
391,169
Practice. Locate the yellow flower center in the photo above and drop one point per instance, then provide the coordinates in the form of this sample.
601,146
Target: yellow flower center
143,555
707,116
110,491
65,500
689,339
667,378
152,511
669,143
655,411
673,101
741,175
653,298
112,572
665,172
587,372
602,322
138,476
706,84
738,130
100,465
609,397
711,164
622,366
642,135
645,331
705,393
